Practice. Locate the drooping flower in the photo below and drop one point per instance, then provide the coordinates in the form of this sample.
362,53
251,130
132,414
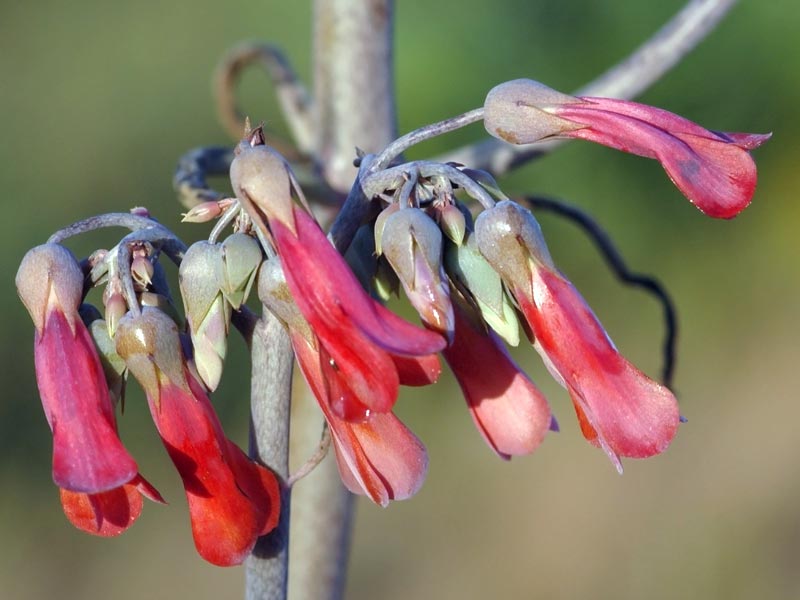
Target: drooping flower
100,485
713,170
619,408
232,500
510,412
378,456
356,332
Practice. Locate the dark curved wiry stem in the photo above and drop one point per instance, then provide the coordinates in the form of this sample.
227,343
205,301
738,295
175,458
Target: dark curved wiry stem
626,80
292,95
617,264
194,167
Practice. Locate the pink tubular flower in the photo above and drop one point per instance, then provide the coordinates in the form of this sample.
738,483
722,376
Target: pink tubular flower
713,170
88,455
356,333
619,408
510,412
379,456
101,489
232,500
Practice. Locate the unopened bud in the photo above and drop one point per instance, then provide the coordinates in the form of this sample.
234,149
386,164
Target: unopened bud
412,243
49,278
207,312
142,272
240,257
470,271
453,223
517,112
115,308
206,211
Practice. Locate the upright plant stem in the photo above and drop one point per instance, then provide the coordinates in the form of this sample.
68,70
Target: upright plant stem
353,107
271,390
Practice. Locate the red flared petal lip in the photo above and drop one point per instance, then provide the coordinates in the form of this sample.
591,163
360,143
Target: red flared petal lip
88,455
713,170
509,411
380,457
327,293
106,514
231,499
619,407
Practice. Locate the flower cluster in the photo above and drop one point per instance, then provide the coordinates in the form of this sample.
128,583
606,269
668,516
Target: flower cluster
477,281
232,500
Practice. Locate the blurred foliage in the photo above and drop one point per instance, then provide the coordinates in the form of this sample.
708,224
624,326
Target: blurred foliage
99,99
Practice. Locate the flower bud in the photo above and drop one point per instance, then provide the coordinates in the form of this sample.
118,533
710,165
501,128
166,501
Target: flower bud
470,270
240,257
49,278
453,223
517,112
207,312
412,243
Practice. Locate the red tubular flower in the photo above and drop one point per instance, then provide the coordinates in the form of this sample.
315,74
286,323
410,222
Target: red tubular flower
619,408
88,455
355,332
510,412
232,500
379,456
713,170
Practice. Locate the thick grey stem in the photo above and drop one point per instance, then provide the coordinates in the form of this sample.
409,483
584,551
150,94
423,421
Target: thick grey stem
271,391
353,83
354,107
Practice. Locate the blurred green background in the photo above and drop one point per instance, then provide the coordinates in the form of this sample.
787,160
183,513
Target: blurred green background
99,99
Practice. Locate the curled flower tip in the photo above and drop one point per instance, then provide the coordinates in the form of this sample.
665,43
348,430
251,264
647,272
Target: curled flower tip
713,170
412,243
49,278
509,411
150,346
206,310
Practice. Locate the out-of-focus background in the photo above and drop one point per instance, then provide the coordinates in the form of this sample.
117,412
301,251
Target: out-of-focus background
99,99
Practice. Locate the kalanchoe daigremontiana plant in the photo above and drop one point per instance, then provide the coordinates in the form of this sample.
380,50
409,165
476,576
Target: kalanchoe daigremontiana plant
472,263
